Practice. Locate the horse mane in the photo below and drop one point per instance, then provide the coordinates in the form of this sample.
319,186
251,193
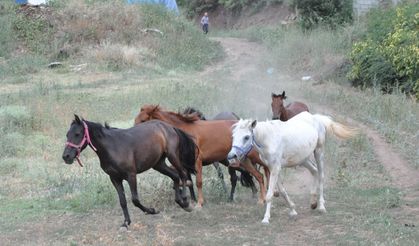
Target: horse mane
191,110
189,118
185,117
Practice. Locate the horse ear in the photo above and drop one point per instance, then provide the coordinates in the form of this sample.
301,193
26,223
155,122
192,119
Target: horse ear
253,125
77,119
156,107
283,95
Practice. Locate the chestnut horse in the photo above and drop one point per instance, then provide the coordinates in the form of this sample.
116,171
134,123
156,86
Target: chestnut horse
280,112
245,177
213,139
125,152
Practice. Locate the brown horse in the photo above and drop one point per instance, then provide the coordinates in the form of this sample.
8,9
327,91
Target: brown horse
245,178
125,152
280,112
213,139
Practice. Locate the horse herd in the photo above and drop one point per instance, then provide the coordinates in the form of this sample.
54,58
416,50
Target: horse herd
189,141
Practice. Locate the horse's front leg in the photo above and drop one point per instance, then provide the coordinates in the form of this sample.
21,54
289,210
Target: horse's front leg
117,183
249,167
132,181
272,184
198,167
233,182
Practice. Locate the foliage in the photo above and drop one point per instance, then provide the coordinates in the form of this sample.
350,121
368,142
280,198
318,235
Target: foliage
389,60
330,12
195,7
108,34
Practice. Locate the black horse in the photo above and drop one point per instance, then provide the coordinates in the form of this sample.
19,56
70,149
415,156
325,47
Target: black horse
245,178
125,152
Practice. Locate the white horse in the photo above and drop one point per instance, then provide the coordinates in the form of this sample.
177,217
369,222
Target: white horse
288,144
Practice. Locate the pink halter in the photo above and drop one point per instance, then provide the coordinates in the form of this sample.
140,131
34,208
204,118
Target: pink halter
86,137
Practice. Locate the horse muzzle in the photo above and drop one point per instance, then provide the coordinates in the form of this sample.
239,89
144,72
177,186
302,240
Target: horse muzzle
233,159
67,159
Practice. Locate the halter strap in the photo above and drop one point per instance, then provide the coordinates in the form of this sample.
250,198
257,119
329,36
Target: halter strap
86,137
245,151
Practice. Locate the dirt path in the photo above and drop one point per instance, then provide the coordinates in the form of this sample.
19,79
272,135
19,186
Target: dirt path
242,57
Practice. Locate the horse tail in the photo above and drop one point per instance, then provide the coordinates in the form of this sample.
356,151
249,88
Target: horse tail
246,179
340,130
187,149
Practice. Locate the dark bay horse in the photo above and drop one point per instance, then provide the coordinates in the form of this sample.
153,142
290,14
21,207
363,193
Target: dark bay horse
213,139
125,152
245,177
280,112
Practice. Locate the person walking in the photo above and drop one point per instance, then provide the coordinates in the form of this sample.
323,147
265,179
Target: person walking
205,22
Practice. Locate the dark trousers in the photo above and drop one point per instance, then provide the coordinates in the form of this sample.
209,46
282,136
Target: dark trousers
205,28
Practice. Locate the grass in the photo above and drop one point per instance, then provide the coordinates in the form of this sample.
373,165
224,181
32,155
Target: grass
37,189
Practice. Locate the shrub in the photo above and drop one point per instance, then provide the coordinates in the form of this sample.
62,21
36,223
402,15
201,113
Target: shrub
389,60
330,12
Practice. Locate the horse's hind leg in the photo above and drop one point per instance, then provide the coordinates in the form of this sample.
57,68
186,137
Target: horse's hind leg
318,154
284,194
132,181
191,190
311,166
220,175
180,199
117,183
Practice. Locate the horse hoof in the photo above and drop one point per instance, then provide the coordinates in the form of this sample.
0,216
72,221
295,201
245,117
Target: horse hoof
152,211
293,215
188,209
276,194
313,205
123,228
265,222
261,202
322,210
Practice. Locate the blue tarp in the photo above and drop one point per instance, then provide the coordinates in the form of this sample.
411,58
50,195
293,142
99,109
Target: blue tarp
170,4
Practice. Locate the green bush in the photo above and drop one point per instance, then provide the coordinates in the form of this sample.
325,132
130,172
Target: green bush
33,29
389,60
196,7
330,12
